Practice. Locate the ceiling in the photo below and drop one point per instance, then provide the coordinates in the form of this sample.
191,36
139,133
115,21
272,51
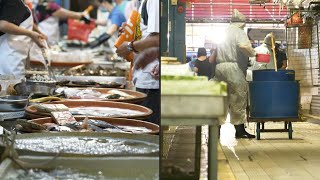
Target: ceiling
221,11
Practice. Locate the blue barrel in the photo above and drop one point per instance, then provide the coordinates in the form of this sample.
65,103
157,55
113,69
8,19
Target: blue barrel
274,99
272,75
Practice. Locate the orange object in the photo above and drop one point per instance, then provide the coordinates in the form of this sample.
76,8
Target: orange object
78,30
128,34
30,5
89,9
295,20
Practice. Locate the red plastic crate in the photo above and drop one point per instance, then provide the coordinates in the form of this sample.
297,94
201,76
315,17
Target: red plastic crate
78,30
264,58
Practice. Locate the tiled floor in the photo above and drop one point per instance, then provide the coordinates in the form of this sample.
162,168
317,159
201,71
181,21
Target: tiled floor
272,157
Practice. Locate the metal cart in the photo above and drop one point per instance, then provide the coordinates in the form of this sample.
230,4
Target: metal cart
261,128
268,111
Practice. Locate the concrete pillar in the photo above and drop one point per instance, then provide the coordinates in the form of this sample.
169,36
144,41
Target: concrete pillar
164,27
177,31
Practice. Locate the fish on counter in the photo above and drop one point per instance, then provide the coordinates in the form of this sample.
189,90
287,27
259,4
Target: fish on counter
52,174
92,125
63,117
57,128
85,70
87,145
104,111
48,108
41,78
29,127
74,93
120,94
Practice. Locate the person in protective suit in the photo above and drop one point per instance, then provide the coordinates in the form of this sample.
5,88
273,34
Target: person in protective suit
229,69
264,48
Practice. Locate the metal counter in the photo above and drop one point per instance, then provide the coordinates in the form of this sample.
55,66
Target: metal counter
196,110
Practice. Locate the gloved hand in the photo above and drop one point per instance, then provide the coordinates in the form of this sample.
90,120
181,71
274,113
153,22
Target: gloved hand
101,39
85,19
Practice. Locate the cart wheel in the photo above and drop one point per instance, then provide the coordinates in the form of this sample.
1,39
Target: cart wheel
258,131
290,130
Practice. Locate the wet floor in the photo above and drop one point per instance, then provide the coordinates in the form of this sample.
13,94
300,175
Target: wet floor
273,157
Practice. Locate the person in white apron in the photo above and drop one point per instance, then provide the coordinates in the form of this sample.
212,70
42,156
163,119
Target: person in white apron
114,22
49,25
16,40
146,79
264,48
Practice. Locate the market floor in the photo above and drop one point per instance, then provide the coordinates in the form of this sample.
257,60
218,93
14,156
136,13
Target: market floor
272,157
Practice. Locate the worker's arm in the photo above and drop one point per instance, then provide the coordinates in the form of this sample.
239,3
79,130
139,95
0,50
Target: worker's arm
65,14
155,72
116,22
101,22
146,56
213,55
104,37
195,69
284,64
244,44
36,29
151,41
10,28
112,29
247,50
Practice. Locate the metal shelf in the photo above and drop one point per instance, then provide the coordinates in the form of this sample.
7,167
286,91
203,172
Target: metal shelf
303,43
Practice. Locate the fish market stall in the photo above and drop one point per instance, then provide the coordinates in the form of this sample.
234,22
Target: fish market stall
103,124
90,108
85,144
87,127
49,155
66,100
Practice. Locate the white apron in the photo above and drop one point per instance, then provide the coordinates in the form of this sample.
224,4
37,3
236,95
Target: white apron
15,50
50,28
262,49
112,39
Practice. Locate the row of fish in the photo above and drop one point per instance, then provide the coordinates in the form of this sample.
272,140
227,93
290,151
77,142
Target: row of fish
74,93
86,125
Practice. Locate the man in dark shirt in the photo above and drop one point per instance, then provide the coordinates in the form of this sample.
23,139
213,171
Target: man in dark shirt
13,11
202,65
12,14
281,57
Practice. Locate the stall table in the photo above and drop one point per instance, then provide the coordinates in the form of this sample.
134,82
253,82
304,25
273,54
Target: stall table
195,109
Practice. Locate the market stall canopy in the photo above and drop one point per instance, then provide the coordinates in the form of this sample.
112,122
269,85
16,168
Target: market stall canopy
221,11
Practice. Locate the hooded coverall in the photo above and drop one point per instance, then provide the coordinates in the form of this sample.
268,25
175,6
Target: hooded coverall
228,69
264,48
